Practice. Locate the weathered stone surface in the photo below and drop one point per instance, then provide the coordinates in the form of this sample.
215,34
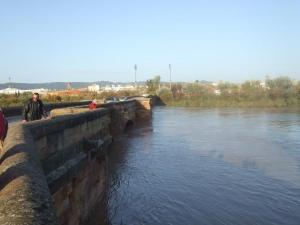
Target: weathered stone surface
75,200
121,114
65,111
143,108
24,196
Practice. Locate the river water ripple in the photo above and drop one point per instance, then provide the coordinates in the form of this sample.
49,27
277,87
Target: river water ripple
207,166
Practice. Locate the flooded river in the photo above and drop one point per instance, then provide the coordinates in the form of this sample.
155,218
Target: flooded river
207,166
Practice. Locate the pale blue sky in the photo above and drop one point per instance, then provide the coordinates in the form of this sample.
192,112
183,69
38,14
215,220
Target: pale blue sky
214,40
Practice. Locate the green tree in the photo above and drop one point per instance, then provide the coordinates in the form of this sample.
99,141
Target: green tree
153,85
165,95
281,87
252,91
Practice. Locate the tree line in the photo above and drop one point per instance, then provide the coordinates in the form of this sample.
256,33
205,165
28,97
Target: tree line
276,92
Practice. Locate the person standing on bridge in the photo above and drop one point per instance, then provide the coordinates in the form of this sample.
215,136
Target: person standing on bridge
3,128
93,105
34,109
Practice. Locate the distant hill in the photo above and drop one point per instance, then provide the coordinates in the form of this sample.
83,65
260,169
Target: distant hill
58,85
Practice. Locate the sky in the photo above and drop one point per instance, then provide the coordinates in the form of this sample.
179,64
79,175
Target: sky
232,40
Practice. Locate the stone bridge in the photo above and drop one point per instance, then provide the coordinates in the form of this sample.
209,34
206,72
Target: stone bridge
54,171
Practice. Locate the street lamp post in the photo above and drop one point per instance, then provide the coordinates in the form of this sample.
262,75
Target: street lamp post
170,69
9,82
135,69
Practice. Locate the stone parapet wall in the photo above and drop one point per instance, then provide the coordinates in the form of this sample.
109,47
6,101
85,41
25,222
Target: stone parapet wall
24,194
54,171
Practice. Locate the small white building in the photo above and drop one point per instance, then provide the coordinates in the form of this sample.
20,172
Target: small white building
118,87
108,88
217,92
263,84
41,91
94,88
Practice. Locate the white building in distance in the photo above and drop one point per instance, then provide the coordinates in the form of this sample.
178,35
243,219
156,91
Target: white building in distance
118,87
94,88
11,91
217,91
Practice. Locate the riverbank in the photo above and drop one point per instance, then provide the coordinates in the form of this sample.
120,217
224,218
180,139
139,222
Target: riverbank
211,103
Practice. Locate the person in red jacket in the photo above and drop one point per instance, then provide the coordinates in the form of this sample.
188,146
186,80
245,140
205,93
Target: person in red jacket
3,128
93,105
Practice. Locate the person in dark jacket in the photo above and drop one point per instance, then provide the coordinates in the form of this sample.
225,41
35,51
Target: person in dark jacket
3,128
34,109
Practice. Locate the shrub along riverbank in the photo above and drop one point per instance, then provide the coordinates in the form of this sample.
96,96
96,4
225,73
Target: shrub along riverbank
278,92
219,102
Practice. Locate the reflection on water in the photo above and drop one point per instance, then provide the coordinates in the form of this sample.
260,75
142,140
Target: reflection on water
207,166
